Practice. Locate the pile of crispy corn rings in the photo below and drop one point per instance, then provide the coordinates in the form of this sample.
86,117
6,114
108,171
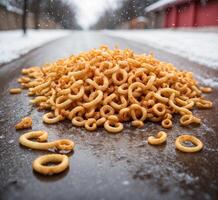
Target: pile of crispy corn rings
104,87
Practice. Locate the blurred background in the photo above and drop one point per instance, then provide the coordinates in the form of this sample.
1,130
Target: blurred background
107,14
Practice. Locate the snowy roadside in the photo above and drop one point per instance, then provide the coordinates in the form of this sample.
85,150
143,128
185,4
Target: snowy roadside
200,47
13,44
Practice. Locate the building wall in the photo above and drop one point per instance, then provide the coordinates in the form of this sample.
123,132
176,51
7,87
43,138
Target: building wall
184,16
11,20
159,19
191,14
207,15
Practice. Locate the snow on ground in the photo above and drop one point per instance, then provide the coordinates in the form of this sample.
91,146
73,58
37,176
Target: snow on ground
13,44
200,47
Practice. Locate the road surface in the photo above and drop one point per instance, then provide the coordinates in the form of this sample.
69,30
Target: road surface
105,166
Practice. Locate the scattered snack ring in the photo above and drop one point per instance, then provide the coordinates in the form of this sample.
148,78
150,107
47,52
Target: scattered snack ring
26,122
40,144
159,139
188,138
15,90
39,164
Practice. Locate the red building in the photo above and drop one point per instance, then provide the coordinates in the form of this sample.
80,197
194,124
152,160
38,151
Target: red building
183,13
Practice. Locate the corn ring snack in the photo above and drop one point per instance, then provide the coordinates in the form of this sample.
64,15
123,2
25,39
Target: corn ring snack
184,138
113,127
185,120
137,123
78,121
159,109
90,124
49,118
201,103
26,122
41,137
15,90
167,123
40,167
91,87
206,89
159,139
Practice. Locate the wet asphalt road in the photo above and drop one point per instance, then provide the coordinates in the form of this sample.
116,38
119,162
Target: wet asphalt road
105,166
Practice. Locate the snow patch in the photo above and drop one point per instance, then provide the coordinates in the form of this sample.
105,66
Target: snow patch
207,81
13,44
200,47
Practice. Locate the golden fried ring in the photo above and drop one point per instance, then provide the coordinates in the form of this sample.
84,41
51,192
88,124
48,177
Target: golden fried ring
40,87
95,101
206,89
150,82
159,94
137,123
123,89
101,121
99,87
41,137
113,127
184,138
160,138
168,116
186,104
109,98
167,123
49,118
106,110
15,90
134,108
77,110
25,122
39,164
78,95
78,121
90,124
179,86
117,74
201,103
124,114
117,106
185,120
159,109
132,87
63,101
111,70
64,91
90,112
198,91
51,100
177,108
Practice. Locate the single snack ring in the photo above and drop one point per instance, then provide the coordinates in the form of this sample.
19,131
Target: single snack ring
41,137
15,90
190,138
113,127
78,121
50,118
39,164
160,138
185,120
137,123
90,124
167,123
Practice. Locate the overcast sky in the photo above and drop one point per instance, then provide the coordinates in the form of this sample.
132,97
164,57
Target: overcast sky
88,11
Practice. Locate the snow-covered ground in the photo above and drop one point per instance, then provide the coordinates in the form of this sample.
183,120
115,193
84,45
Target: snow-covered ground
13,44
200,47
